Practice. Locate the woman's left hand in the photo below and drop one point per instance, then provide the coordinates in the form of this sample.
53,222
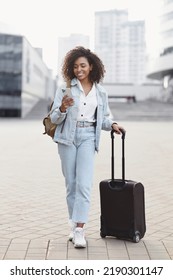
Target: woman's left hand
117,128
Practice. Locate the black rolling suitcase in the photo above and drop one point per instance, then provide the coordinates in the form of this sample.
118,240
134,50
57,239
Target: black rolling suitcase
122,205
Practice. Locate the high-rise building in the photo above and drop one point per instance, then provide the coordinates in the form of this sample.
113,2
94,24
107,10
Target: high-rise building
121,45
137,51
65,44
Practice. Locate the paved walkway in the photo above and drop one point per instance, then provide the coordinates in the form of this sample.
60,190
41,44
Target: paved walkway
33,212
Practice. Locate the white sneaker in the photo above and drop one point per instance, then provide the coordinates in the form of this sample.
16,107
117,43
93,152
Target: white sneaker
79,238
72,226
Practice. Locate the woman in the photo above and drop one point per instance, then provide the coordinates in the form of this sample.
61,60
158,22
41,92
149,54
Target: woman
80,117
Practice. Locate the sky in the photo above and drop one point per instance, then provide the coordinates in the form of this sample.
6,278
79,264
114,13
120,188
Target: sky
43,21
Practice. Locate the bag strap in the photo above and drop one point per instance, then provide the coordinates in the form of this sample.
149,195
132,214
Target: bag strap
50,109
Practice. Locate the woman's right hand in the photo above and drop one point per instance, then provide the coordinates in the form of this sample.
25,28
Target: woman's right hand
66,102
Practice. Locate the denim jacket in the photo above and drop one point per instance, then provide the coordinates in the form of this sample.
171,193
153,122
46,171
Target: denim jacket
66,122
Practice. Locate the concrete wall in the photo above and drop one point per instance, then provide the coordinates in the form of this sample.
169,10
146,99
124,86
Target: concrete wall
141,92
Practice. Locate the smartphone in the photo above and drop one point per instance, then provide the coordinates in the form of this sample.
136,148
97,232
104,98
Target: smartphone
68,92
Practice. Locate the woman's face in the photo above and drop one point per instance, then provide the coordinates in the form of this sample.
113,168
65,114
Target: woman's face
82,68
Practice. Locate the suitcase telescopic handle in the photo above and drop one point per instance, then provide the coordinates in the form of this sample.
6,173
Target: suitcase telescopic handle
123,154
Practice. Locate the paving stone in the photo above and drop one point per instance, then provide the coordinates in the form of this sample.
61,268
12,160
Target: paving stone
33,208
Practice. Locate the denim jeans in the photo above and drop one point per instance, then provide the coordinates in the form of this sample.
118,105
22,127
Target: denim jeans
77,161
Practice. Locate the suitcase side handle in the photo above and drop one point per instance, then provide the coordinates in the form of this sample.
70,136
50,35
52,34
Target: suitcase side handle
123,154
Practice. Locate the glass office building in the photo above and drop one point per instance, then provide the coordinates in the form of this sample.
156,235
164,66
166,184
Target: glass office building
24,77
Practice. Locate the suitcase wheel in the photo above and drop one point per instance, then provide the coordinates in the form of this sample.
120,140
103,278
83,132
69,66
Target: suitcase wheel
136,237
102,235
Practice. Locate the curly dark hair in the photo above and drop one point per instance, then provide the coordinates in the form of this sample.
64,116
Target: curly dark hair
97,72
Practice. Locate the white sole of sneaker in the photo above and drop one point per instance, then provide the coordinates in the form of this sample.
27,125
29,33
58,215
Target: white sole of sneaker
79,245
